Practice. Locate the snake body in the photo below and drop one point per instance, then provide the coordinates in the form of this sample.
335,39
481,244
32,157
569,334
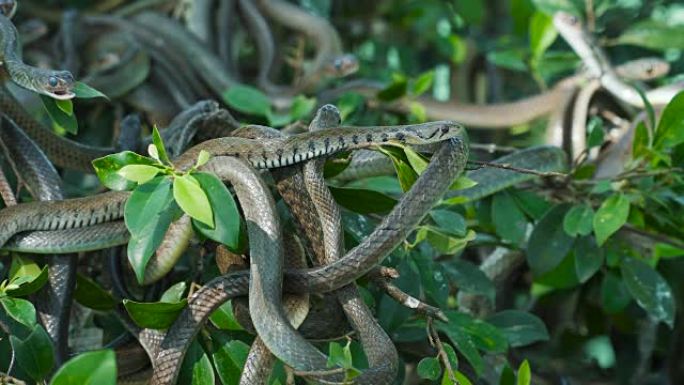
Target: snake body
445,166
572,30
37,173
330,59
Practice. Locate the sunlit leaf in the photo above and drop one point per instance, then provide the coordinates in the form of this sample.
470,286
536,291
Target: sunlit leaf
610,217
98,367
649,289
192,199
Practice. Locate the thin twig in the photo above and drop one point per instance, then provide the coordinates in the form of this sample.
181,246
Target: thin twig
436,342
409,301
506,166
658,237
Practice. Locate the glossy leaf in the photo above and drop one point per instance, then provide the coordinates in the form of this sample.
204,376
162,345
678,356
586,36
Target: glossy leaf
510,222
148,214
423,83
84,91
174,293
394,91
339,356
192,199
91,295
248,100
588,258
229,357
66,106
154,315
223,318
469,278
34,354
449,221
519,327
59,118
20,310
542,34
654,35
107,169
196,368
524,374
610,217
97,367
139,173
429,368
579,220
670,131
363,201
649,289
548,243
27,284
158,142
227,219
614,294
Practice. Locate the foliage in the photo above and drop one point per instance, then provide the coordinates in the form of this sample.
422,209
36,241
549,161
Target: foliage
593,292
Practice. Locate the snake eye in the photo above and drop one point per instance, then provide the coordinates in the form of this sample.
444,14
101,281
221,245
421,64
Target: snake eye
52,81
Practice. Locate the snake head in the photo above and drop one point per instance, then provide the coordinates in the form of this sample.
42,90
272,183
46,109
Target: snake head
431,132
55,84
645,68
343,65
8,8
567,22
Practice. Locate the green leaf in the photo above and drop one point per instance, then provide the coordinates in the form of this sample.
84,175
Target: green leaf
548,243
588,258
174,293
227,220
610,217
248,100
670,131
394,91
97,367
84,91
26,284
59,118
23,267
339,356
229,357
470,279
449,221
159,145
444,243
139,173
196,368
429,368
202,158
417,161
507,376
148,213
578,221
223,318
91,295
192,199
302,107
512,59
519,327
653,34
614,294
363,201
66,106
463,341
510,222
423,83
524,374
649,289
552,6
107,169
154,315
462,183
20,310
542,34
34,354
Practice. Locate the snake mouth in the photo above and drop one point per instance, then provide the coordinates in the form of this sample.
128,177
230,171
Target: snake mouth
61,94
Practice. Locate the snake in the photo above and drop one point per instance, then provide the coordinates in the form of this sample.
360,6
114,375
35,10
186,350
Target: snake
507,114
330,60
447,163
41,179
598,66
